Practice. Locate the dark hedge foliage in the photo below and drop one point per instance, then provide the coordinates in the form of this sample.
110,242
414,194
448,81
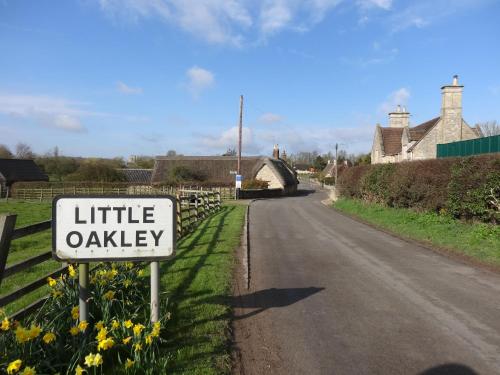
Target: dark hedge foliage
462,187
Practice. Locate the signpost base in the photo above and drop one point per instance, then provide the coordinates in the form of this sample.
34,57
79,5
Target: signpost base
155,291
83,281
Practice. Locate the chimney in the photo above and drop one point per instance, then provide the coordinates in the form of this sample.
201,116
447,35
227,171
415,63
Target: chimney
399,118
276,152
283,156
451,112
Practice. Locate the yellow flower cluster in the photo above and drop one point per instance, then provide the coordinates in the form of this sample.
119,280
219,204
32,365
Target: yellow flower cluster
129,363
82,326
128,324
109,295
15,366
138,329
75,312
24,335
52,282
93,360
5,325
72,271
48,337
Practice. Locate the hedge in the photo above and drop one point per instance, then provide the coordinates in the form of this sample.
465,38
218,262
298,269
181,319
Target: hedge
467,188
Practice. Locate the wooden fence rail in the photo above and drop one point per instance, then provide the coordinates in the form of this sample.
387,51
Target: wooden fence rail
47,194
192,206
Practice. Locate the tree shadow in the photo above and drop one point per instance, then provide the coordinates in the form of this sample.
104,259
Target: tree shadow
449,369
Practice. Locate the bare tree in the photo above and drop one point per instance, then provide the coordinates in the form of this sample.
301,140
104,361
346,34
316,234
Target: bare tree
5,153
489,128
23,151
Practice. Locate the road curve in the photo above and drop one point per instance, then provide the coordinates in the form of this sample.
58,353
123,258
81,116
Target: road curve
330,295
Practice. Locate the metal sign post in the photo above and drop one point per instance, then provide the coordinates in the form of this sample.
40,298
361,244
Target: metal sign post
96,228
155,291
83,284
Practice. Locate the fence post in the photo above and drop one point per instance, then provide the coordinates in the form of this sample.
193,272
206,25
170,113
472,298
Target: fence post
196,208
179,216
218,200
7,224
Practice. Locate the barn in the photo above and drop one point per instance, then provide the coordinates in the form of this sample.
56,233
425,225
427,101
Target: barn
19,170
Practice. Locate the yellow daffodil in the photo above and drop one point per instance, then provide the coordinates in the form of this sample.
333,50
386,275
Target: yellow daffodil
34,331
149,339
138,329
98,360
115,324
140,272
99,325
5,325
71,271
14,366
57,293
89,360
52,282
129,265
83,325
75,312
74,330
22,335
128,324
137,347
79,370
109,295
105,344
127,340
103,333
28,371
127,283
48,337
129,363
156,329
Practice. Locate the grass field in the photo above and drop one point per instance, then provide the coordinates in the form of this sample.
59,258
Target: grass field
198,282
23,248
478,241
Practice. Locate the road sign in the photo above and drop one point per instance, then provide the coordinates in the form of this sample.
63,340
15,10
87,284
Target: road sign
239,178
106,228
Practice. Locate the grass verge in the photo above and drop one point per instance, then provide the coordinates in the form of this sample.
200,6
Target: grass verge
198,282
477,241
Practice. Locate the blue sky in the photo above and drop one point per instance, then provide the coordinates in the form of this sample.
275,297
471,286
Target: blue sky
121,77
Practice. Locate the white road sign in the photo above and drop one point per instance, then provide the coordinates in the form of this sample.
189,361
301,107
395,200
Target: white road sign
97,228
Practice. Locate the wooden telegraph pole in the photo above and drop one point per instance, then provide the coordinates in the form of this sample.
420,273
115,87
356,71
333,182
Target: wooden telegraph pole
240,131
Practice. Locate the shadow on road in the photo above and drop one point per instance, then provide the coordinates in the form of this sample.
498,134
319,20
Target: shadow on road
449,369
269,298
304,192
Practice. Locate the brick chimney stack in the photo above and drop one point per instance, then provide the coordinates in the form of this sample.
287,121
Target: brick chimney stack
276,152
451,112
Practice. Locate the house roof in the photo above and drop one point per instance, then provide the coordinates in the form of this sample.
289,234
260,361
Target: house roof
212,168
391,140
141,176
15,170
279,168
418,132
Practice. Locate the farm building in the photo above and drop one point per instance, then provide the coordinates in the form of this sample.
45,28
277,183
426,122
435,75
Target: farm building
220,170
400,142
19,170
137,176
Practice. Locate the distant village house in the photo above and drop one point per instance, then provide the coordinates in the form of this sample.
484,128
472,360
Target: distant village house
400,142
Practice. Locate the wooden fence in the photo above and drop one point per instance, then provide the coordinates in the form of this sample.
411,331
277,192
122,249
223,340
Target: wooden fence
47,194
191,208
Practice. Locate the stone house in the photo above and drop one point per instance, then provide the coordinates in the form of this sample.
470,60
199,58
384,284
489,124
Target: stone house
400,142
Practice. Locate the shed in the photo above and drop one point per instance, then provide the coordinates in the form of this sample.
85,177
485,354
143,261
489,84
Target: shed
137,175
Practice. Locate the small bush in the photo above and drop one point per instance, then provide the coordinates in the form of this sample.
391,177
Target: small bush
255,184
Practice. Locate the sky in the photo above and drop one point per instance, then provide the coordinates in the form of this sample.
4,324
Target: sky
110,78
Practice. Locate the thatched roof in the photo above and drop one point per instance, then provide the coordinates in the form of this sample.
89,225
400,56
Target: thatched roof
135,175
16,170
212,168
282,171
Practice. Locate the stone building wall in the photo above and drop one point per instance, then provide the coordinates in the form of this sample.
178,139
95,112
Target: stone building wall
266,174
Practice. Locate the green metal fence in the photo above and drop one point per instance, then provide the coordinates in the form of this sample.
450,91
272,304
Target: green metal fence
477,146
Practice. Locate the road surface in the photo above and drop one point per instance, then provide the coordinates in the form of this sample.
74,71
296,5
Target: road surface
330,295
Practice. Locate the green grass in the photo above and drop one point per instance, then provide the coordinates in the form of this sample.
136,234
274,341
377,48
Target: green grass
24,248
198,282
476,240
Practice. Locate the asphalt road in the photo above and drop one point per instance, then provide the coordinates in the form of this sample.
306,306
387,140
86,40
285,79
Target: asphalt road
330,295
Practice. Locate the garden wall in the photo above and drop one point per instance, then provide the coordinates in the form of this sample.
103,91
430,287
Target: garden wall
466,188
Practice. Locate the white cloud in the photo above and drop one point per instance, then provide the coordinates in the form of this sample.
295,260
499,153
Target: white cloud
233,22
128,90
68,123
398,97
229,139
199,80
270,118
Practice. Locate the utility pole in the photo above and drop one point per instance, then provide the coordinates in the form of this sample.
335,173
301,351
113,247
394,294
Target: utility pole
336,163
240,131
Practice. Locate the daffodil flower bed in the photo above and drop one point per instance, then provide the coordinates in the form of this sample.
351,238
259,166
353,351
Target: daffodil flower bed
117,338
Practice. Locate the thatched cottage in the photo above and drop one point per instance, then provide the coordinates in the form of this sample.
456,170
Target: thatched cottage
19,170
399,142
220,169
